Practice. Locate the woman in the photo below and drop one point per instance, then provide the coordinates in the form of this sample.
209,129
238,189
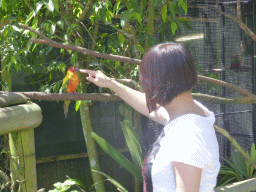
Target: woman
185,157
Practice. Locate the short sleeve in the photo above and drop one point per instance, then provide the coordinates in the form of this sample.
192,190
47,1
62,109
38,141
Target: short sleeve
188,142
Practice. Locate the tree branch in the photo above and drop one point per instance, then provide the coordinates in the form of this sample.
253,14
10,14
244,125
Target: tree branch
114,97
86,51
82,50
238,8
227,85
238,20
36,32
69,96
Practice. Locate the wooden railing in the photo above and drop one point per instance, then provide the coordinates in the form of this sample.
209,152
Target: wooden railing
242,186
18,118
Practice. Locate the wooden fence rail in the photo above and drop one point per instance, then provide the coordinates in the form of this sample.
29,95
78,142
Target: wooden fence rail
19,117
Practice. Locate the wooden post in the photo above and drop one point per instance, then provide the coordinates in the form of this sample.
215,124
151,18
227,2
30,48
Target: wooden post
19,121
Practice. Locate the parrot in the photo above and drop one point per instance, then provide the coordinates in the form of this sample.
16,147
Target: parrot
69,85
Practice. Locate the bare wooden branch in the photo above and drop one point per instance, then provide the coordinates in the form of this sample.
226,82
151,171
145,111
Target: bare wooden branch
86,51
114,97
69,96
36,32
238,7
227,85
239,21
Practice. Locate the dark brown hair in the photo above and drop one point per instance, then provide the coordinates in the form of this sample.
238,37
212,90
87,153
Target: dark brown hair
166,71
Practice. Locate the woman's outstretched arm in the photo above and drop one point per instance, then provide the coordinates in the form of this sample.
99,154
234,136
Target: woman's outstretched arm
134,98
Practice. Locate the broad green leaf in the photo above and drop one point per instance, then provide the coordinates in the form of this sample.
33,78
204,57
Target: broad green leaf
137,16
52,29
184,7
78,104
180,26
13,59
116,6
3,5
124,18
60,23
164,13
183,19
56,86
49,5
113,181
172,10
56,6
5,86
132,142
118,157
15,28
180,2
34,12
173,27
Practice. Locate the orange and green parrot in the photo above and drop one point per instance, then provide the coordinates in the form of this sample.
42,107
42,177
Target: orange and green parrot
69,85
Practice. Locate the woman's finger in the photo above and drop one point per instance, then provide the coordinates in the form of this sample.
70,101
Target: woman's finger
88,71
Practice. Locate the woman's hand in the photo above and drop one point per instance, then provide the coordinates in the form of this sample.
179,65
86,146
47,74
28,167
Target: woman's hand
97,77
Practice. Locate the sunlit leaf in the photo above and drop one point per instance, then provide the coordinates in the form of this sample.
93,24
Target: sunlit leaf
137,16
3,5
56,6
113,181
49,5
60,23
78,104
184,7
164,13
52,29
173,27
34,12
124,18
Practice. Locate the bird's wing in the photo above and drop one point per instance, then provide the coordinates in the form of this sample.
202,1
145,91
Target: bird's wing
65,83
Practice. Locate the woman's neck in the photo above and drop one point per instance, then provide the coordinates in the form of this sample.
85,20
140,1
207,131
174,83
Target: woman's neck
184,104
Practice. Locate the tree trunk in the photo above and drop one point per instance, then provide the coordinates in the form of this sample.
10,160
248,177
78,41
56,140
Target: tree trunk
90,143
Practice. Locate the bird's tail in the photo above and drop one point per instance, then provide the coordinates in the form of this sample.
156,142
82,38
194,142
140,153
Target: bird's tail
65,107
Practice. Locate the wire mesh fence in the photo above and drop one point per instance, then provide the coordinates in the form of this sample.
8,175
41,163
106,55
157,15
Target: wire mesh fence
214,42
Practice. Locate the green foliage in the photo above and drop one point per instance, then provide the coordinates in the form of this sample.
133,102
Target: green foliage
237,169
57,20
66,185
118,157
113,181
133,143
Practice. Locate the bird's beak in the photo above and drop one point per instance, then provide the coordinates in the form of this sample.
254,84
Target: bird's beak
77,70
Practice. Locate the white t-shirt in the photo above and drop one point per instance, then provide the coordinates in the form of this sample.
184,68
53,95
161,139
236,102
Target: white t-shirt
189,139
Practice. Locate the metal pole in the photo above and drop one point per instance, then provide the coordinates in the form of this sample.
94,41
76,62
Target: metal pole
254,72
226,151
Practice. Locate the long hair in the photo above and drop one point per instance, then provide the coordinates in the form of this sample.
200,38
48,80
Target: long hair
167,70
